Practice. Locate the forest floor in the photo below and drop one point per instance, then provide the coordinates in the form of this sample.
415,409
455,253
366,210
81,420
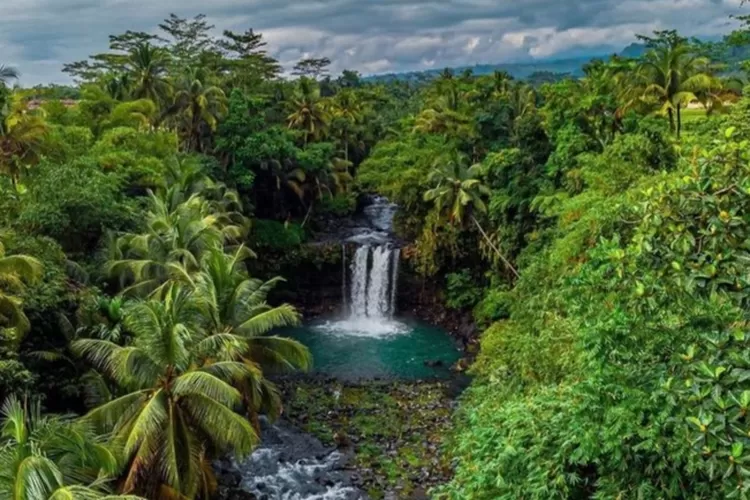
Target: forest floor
396,429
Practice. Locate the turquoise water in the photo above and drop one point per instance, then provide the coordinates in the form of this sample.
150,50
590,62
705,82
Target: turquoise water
354,350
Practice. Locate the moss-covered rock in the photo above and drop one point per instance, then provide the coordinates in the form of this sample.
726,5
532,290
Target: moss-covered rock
396,429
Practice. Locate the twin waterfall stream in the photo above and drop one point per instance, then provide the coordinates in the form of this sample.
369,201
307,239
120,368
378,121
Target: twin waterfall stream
374,283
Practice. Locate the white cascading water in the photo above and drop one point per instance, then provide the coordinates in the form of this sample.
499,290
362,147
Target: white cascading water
378,286
343,283
374,277
371,295
360,275
370,277
394,280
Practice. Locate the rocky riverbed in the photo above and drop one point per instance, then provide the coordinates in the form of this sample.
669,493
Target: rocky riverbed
289,465
394,429
347,441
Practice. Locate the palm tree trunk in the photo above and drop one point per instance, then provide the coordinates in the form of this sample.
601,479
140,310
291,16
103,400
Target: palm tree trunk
679,120
671,119
492,245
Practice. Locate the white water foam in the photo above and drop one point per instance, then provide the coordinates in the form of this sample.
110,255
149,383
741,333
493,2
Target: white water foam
285,480
363,327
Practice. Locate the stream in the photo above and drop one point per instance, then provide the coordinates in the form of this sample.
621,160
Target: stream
289,465
367,340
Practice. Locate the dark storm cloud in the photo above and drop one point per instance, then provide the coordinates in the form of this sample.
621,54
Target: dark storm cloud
38,36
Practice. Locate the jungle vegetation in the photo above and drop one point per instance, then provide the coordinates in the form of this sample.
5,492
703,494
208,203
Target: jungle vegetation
595,228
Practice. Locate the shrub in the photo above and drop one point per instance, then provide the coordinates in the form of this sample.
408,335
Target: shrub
276,235
462,291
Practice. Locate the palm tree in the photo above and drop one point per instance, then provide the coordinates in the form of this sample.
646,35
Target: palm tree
347,113
670,74
444,115
101,319
49,457
502,82
7,73
147,69
22,135
196,109
118,86
339,176
140,114
14,270
176,238
240,318
178,404
458,193
308,112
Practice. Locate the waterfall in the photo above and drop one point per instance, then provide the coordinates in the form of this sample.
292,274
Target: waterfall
394,281
374,277
379,281
358,298
370,267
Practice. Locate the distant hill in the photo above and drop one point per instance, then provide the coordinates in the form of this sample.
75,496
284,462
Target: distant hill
633,51
570,67
541,70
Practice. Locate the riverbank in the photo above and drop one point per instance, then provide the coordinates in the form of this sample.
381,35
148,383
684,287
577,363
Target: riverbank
395,429
376,439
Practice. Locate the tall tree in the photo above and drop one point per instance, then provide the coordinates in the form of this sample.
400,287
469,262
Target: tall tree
178,404
314,68
671,73
308,112
49,457
115,62
147,65
347,113
239,317
178,233
196,109
458,193
190,40
248,58
22,135
14,271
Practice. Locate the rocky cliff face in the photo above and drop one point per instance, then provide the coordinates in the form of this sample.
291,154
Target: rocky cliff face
423,299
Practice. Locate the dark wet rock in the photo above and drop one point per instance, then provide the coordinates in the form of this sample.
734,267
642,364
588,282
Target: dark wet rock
341,439
434,363
232,494
288,464
461,366
371,224
423,299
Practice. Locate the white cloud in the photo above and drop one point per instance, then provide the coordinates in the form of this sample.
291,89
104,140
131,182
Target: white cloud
39,36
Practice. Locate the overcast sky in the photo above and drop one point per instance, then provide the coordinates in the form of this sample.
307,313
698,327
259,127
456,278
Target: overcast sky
372,36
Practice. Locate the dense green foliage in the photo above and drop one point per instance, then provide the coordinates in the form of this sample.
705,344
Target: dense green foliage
616,369
602,238
128,208
596,227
